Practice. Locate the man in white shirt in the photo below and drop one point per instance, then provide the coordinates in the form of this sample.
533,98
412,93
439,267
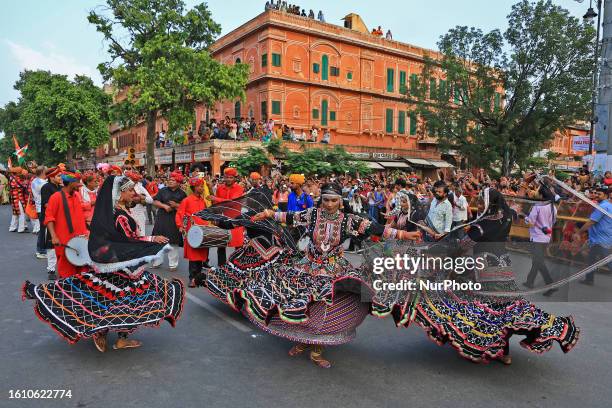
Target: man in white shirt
37,183
326,136
314,134
139,211
460,211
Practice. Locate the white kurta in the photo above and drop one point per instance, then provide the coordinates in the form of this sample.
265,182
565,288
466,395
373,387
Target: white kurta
139,211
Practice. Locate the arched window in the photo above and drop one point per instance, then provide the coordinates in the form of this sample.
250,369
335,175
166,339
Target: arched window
238,61
237,110
325,67
324,108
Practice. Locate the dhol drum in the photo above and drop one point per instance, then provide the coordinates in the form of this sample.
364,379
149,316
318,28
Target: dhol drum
200,236
77,252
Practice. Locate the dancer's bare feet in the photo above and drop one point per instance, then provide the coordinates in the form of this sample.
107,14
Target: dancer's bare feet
99,340
506,359
298,349
123,343
316,356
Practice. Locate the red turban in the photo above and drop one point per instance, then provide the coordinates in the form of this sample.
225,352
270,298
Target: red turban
132,175
115,169
54,171
196,181
230,171
177,176
255,176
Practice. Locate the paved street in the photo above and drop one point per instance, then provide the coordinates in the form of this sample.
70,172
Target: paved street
214,358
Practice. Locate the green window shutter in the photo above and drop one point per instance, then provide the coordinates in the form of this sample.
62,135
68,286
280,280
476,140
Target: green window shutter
402,82
442,92
390,78
432,88
324,107
497,101
276,109
264,110
316,68
349,75
389,121
237,109
401,123
276,60
315,113
431,130
325,67
413,123
414,83
264,60
332,115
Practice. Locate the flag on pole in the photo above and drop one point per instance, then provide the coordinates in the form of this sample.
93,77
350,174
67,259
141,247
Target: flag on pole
20,152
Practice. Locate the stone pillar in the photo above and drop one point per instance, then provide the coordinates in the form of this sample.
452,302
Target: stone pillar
215,160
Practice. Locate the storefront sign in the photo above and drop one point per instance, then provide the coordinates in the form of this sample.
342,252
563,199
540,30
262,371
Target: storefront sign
231,155
183,157
202,156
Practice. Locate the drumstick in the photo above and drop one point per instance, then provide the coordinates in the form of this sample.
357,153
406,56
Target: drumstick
69,247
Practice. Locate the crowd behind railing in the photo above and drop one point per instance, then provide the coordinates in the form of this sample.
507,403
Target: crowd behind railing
243,129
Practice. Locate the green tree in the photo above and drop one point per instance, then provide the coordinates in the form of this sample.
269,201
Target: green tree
502,96
324,162
72,116
160,64
252,160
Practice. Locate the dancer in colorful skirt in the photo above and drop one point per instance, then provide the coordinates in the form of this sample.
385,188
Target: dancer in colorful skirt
116,293
312,299
479,326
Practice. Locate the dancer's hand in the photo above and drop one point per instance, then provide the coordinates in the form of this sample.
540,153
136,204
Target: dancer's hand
159,239
263,215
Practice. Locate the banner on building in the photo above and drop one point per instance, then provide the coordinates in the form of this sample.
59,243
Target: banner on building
580,143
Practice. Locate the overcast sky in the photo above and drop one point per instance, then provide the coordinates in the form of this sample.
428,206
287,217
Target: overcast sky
55,35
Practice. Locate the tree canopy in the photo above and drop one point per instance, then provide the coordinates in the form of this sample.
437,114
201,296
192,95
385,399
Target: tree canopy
71,116
160,64
324,162
498,97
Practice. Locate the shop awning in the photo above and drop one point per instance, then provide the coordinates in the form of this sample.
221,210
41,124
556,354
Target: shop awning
441,164
374,165
420,162
394,165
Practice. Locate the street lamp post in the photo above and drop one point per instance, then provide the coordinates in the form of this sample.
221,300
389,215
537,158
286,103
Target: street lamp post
589,17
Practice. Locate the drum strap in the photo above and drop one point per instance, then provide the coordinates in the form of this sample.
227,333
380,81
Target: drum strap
67,212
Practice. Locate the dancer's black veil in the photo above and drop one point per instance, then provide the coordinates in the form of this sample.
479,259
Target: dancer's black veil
106,244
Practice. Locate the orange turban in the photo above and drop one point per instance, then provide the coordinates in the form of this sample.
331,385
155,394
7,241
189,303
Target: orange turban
255,176
230,171
297,179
